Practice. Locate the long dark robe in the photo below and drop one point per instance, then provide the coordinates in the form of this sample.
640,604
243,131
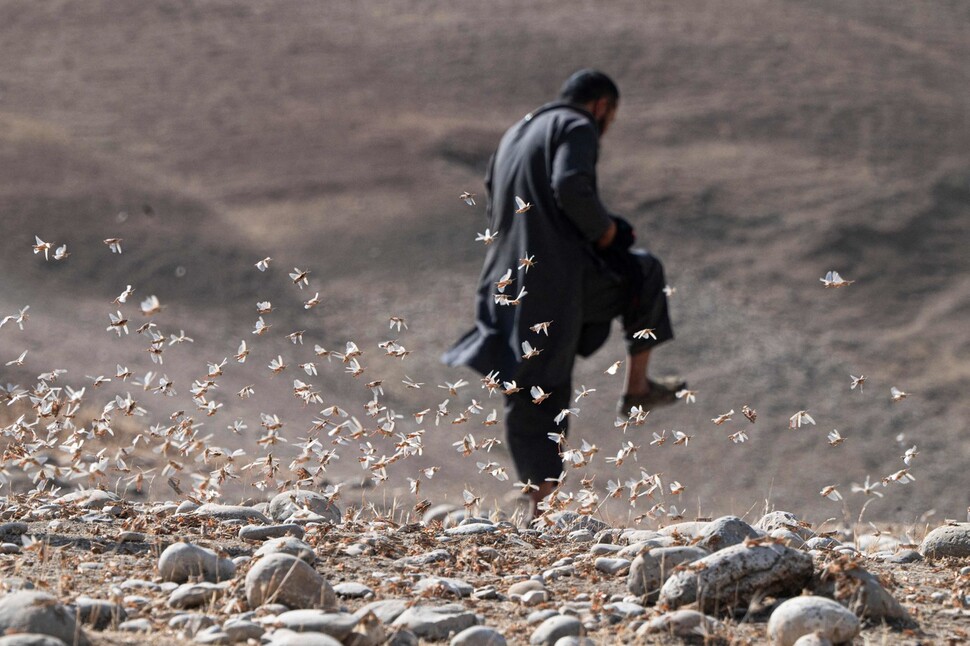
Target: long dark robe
547,159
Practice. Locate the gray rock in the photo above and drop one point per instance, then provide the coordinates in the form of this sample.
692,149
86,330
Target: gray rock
774,520
735,575
186,507
573,640
239,630
213,635
681,623
630,536
135,626
810,614
98,613
625,609
862,593
191,623
286,579
532,598
352,590
485,593
875,543
948,540
813,639
13,529
193,595
443,586
284,637
261,533
285,504
180,561
611,565
438,513
580,536
634,550
789,538
230,512
336,624
649,571
557,572
686,531
539,616
604,549
88,498
471,529
520,588
32,611
724,532
478,636
435,622
288,545
904,556
403,637
30,639
822,543
570,521
554,628
386,610
420,560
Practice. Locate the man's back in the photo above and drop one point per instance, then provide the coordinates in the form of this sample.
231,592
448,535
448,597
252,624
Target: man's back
548,160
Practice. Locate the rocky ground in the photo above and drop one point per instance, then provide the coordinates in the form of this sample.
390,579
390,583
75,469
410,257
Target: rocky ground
89,567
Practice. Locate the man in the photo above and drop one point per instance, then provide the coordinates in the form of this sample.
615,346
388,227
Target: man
572,272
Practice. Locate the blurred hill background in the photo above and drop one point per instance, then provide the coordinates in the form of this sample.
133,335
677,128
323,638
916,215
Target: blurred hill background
758,145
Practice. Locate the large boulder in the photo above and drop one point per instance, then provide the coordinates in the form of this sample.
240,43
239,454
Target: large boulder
733,576
32,611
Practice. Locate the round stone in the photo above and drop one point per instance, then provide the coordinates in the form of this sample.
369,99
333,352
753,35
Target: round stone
336,624
285,504
948,540
286,579
180,561
810,614
554,628
681,623
478,636
288,545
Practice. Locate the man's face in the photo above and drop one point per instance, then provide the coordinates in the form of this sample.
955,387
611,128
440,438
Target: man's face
604,111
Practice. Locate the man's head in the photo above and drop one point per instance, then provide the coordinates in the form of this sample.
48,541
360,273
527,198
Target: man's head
594,91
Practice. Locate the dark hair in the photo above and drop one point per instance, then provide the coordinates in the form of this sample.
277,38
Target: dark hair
588,85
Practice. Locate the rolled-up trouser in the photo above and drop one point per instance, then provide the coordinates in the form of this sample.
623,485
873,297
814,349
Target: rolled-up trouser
641,303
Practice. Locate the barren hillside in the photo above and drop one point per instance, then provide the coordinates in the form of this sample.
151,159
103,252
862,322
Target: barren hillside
758,146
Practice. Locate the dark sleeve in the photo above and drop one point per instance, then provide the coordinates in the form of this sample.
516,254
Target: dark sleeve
489,172
574,182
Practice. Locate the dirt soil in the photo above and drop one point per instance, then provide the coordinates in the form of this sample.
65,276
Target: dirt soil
931,592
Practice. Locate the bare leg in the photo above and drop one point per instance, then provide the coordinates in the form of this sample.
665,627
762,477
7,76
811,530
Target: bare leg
636,373
545,489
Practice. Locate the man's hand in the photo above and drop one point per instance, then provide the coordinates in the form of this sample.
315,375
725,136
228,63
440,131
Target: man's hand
607,238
